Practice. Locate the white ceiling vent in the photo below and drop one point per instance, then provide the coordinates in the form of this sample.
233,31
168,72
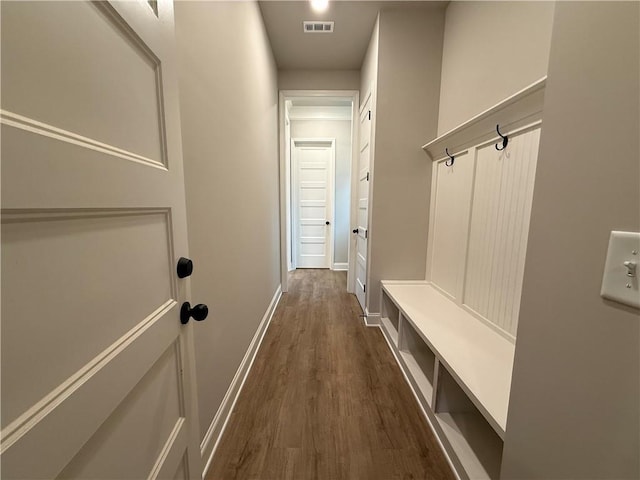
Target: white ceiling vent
317,27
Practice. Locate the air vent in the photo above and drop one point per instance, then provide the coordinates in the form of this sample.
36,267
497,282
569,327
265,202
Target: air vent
317,27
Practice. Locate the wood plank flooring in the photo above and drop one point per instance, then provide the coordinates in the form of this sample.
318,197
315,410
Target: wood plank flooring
325,398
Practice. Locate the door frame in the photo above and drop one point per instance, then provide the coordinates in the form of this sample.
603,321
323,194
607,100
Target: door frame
285,160
331,187
368,96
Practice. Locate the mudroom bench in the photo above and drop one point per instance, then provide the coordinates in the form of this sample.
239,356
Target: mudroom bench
459,369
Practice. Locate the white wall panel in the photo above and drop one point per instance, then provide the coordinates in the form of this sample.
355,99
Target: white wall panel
499,228
452,199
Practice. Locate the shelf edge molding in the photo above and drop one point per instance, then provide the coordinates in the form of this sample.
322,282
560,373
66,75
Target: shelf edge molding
516,111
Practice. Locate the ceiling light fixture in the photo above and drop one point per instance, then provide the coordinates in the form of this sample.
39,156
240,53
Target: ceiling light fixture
319,5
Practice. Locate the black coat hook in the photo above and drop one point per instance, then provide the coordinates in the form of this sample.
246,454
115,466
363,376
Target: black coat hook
449,162
505,139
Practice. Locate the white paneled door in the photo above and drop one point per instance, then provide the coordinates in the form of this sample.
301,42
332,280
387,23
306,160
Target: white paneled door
362,229
97,371
313,202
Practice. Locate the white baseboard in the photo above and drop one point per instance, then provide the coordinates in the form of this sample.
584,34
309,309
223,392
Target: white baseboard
371,319
219,423
343,267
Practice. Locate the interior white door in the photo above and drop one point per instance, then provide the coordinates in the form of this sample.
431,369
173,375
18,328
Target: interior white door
97,370
362,230
313,202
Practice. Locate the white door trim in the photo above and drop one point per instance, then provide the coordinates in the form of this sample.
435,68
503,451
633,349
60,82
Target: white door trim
284,95
287,172
368,97
331,188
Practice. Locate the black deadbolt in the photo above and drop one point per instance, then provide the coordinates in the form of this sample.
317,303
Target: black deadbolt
185,267
199,312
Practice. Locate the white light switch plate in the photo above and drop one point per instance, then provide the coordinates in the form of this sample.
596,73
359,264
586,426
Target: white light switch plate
617,284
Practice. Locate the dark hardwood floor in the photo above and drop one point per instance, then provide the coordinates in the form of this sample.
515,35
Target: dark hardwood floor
325,398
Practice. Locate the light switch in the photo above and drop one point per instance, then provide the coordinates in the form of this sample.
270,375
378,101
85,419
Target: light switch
621,270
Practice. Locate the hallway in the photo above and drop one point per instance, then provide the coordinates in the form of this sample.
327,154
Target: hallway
325,398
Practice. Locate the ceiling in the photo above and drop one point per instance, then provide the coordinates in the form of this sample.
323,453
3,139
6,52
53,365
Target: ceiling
344,49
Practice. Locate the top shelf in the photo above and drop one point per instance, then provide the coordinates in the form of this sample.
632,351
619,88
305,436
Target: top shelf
480,359
518,110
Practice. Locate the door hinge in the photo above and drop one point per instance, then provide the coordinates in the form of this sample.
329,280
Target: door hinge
369,114
367,176
364,288
366,234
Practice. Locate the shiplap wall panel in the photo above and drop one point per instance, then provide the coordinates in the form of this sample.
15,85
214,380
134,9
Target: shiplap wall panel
499,226
451,221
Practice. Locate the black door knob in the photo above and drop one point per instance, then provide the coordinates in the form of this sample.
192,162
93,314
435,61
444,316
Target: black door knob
355,230
327,222
199,312
185,267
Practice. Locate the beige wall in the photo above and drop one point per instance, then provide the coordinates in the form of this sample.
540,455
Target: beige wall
318,79
341,131
575,399
369,70
406,114
229,128
491,50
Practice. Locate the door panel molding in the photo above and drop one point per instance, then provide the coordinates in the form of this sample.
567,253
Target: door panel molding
60,254
97,45
36,413
155,404
114,372
172,452
40,128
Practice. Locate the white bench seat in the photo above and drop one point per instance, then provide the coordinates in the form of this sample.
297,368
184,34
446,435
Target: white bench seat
476,356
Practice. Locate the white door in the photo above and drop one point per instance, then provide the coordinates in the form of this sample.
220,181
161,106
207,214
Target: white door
97,371
313,202
362,229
